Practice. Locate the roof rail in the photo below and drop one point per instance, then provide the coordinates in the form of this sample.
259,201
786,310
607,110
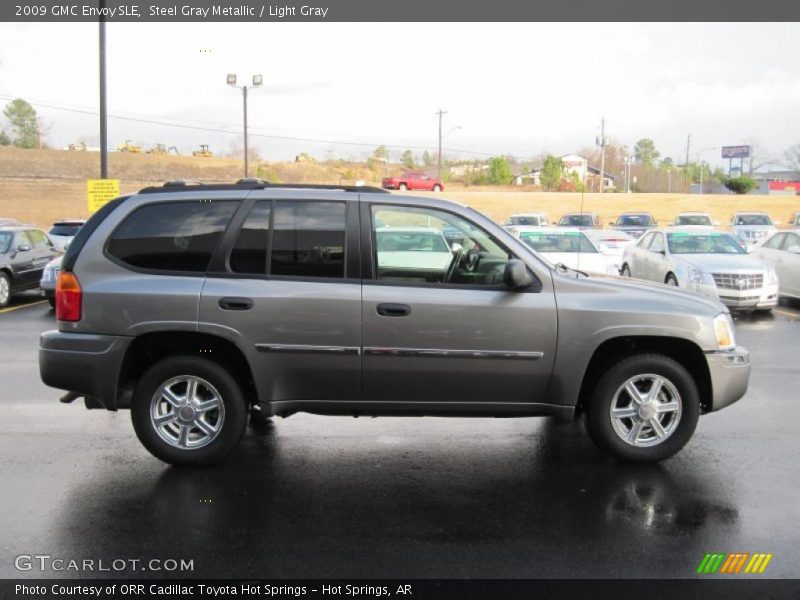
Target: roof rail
254,184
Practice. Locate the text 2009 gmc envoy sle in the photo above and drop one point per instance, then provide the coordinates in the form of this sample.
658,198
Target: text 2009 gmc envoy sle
195,304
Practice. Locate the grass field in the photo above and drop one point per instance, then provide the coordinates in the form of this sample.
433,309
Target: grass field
40,186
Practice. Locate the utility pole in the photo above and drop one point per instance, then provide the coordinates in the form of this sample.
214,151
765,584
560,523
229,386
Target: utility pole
246,158
103,107
440,112
686,165
602,144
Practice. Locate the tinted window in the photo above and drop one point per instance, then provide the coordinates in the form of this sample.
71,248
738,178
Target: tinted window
792,241
176,236
5,241
308,240
39,239
634,221
534,221
747,220
65,230
693,220
249,253
576,221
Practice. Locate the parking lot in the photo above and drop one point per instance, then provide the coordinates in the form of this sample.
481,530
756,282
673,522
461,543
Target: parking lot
398,497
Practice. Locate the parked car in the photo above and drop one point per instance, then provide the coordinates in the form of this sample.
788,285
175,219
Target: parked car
634,223
753,226
423,248
782,252
569,247
794,221
63,231
581,220
528,219
703,261
694,219
275,298
413,181
24,252
49,279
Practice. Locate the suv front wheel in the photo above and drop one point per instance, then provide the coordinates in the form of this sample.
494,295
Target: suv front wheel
644,409
188,411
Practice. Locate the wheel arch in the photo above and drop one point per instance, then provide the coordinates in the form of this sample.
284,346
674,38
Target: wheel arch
149,348
685,352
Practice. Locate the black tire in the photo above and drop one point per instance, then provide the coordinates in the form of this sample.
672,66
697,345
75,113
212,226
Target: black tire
5,283
626,271
600,425
402,187
671,280
231,429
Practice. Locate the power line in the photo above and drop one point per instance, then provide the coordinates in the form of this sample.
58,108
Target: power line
235,131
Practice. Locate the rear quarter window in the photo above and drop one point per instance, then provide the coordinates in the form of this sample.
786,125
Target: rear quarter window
171,236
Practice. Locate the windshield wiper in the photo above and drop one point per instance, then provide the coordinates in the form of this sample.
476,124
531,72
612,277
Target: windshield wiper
565,269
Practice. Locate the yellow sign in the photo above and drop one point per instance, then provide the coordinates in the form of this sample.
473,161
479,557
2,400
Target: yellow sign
100,191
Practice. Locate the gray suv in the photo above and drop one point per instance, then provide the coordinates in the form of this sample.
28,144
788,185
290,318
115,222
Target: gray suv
195,305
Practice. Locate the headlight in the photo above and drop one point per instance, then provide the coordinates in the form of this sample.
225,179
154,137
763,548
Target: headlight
772,275
723,329
695,276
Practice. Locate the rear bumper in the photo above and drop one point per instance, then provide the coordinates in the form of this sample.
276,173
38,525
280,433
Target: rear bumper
85,364
730,374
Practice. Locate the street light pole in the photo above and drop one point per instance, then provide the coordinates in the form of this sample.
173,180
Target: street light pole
440,112
103,104
257,80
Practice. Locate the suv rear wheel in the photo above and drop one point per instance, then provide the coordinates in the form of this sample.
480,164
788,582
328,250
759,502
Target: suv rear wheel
188,411
644,409
5,290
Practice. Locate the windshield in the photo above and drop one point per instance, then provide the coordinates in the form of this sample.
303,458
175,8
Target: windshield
693,220
576,220
753,220
407,241
520,220
634,221
5,242
711,243
571,241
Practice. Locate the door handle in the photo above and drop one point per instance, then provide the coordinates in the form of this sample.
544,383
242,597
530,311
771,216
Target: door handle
394,310
233,303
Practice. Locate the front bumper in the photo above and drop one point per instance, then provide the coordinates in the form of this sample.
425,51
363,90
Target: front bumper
730,374
85,364
753,299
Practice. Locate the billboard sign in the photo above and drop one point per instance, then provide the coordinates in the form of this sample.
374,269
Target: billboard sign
736,152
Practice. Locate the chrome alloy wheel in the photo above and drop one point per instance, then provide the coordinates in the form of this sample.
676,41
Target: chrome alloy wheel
187,412
4,291
646,410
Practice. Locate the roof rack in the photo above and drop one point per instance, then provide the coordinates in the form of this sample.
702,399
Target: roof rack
254,184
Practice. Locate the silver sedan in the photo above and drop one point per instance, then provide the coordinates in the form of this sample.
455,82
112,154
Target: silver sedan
782,251
704,261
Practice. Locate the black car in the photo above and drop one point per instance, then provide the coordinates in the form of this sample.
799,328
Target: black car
24,252
634,224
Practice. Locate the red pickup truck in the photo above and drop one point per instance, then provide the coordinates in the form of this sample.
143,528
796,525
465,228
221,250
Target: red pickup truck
413,181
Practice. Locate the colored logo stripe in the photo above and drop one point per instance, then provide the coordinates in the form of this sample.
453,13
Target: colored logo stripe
734,563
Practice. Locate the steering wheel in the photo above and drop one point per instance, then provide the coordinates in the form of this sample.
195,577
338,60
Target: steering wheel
451,268
471,260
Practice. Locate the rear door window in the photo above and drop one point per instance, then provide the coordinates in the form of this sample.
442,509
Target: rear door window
172,236
308,239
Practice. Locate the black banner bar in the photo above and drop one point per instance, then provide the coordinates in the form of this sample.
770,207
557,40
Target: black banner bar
398,589
410,11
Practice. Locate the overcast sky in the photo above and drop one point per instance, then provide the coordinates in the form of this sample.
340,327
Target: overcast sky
511,88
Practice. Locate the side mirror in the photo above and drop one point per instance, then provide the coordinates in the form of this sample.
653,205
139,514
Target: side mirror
23,248
516,275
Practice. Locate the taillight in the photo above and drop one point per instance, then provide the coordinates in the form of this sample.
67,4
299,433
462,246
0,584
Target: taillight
68,297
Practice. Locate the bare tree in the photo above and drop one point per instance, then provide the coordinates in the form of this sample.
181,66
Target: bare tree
792,157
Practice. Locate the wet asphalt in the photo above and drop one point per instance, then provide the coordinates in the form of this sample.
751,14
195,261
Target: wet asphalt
314,496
